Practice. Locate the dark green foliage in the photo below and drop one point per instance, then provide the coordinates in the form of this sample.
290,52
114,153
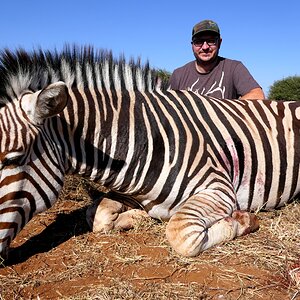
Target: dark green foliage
163,77
163,74
285,89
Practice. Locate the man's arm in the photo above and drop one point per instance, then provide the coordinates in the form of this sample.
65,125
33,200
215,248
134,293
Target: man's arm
254,94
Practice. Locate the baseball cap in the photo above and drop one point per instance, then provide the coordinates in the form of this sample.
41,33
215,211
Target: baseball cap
206,25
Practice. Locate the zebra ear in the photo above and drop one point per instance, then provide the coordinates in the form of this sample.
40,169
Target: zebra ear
51,101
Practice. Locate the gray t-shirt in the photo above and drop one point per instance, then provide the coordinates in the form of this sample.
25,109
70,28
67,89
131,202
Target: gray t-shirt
229,79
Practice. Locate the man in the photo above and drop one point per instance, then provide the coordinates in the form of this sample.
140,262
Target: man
211,74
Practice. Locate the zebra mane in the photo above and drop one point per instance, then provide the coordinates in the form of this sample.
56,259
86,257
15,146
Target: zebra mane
21,70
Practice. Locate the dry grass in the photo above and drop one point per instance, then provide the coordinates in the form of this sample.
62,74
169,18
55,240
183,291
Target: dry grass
58,258
121,290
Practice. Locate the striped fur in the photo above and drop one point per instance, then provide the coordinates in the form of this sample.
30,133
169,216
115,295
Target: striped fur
198,162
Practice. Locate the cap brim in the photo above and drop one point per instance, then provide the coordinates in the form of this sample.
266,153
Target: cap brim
206,30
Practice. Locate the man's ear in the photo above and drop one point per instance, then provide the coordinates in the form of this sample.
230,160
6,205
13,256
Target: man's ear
220,42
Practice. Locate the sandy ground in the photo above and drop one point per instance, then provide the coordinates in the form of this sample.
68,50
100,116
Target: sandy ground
57,257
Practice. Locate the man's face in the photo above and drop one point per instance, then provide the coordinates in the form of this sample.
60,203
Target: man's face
206,46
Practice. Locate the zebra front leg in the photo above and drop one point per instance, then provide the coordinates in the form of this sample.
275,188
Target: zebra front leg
201,224
106,215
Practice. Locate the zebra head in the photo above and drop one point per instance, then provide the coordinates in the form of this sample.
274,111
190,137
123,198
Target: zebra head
22,123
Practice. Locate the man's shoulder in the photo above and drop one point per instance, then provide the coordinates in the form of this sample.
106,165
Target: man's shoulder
188,66
228,61
228,65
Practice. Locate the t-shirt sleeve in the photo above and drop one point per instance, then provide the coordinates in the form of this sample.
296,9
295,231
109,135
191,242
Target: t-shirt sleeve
243,80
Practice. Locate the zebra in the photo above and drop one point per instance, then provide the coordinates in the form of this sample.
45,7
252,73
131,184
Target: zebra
202,164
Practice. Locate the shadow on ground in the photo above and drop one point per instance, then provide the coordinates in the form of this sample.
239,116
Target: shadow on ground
65,226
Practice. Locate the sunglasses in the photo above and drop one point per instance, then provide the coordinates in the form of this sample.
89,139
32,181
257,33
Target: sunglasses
200,42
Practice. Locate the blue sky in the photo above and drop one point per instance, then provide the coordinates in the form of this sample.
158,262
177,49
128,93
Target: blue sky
264,35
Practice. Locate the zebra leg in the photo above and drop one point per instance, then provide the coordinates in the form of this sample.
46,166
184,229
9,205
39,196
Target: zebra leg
201,224
240,223
106,215
128,219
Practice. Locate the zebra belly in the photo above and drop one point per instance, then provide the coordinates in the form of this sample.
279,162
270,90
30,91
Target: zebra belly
259,197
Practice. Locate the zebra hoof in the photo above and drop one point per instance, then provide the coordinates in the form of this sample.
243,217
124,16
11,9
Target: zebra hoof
248,222
102,215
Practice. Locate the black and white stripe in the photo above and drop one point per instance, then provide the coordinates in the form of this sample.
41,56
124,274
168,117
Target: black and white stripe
173,152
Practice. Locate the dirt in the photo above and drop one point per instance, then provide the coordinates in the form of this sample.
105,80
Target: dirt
56,257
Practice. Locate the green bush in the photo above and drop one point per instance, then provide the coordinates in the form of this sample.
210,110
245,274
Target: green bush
285,89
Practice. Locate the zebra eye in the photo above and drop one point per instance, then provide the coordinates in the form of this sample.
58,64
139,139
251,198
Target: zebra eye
11,160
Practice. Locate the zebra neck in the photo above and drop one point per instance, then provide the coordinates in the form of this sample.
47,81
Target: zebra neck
101,134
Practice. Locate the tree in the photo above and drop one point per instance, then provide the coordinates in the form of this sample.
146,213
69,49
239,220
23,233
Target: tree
164,77
285,89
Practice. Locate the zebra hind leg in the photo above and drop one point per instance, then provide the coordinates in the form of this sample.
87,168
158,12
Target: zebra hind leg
106,215
199,225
